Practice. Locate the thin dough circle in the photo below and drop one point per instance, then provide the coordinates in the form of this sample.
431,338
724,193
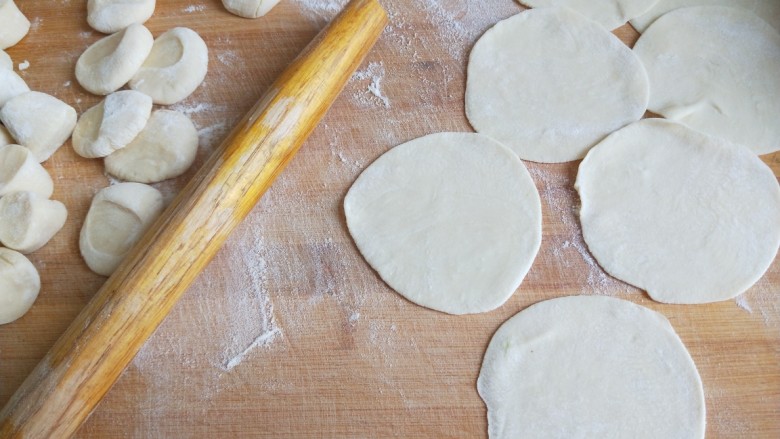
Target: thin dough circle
19,285
550,84
609,13
715,69
590,367
687,217
767,10
109,16
451,221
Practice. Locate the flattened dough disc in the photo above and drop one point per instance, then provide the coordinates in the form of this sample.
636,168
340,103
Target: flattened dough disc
451,221
768,10
609,13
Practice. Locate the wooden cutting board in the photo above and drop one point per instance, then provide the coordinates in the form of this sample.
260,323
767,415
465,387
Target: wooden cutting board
289,333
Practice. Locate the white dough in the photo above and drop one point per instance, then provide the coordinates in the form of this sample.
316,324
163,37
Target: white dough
38,121
768,10
609,13
5,137
249,8
550,84
109,16
165,149
19,285
112,61
175,67
590,367
28,221
117,218
5,61
112,124
11,85
717,70
13,24
451,221
20,171
687,217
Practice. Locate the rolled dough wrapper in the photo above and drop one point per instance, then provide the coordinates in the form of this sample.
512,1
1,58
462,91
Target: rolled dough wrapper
175,67
40,122
109,16
112,124
5,137
609,13
112,61
767,10
249,8
118,217
5,61
19,285
28,221
165,149
20,171
11,86
13,24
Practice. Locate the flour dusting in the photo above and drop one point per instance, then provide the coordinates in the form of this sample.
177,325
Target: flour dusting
372,77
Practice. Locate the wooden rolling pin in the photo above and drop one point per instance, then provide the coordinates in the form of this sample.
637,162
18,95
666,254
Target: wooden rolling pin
85,362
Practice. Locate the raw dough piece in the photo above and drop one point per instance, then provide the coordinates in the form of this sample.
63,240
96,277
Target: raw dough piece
109,16
38,121
118,217
451,221
590,367
11,85
20,171
19,285
108,64
768,10
5,137
112,124
13,24
176,66
28,221
249,8
550,84
609,13
165,149
687,217
715,69
5,61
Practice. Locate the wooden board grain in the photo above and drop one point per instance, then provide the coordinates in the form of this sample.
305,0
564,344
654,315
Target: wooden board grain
289,333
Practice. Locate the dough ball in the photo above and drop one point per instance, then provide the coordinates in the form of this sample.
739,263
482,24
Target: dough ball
38,121
117,219
20,171
550,84
109,16
768,10
249,8
687,217
715,69
109,64
451,221
590,367
5,137
28,221
19,285
176,66
11,85
5,61
609,13
112,124
165,149
13,24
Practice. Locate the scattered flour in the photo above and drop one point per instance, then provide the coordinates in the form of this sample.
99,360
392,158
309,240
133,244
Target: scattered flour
24,65
372,77
194,8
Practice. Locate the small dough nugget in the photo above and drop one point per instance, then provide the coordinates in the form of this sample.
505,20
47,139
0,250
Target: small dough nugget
609,13
716,69
118,217
13,24
19,285
249,8
549,84
165,149
112,61
175,67
11,86
38,121
687,217
767,10
28,221
451,221
5,61
112,124
590,367
20,171
109,16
